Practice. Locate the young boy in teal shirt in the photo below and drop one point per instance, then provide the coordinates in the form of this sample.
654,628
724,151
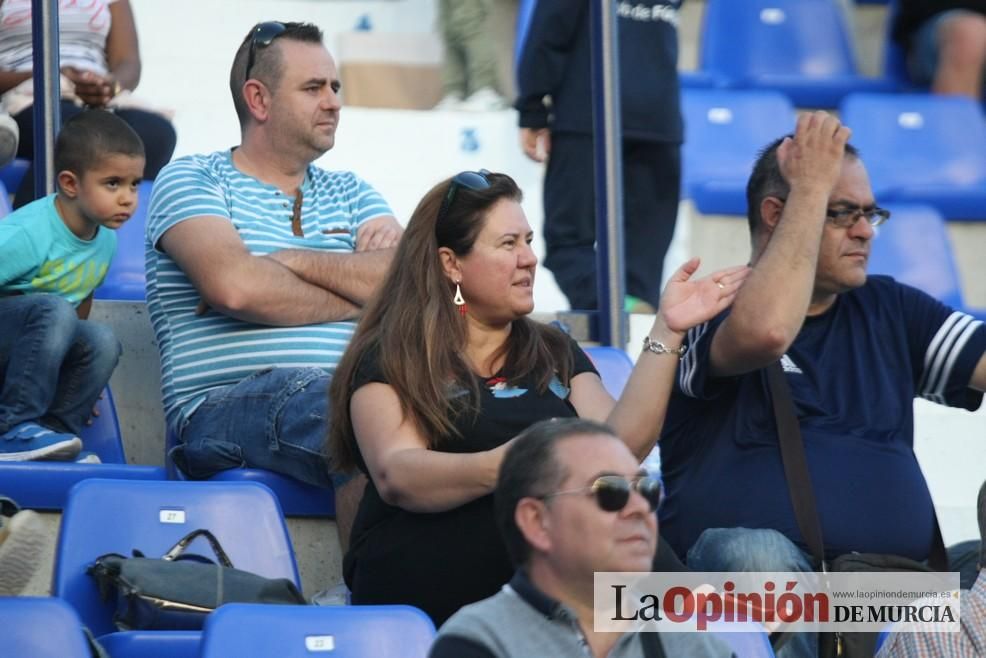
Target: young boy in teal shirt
54,253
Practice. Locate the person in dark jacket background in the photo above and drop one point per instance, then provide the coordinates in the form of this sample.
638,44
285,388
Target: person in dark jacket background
555,63
945,41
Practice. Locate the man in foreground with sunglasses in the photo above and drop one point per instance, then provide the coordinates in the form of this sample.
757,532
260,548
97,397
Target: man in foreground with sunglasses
854,350
258,264
571,500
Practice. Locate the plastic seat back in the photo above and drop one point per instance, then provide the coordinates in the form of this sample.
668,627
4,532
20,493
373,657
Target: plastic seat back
125,279
5,208
160,644
118,516
920,148
614,367
803,47
724,132
40,628
914,248
271,631
297,498
13,174
792,37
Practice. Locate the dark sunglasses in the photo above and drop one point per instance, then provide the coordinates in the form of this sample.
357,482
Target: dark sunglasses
472,180
261,37
612,492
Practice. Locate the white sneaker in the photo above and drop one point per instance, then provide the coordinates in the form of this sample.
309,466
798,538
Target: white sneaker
450,102
484,100
9,137
22,541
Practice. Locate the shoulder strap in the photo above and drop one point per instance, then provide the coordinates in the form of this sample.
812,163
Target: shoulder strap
795,464
799,479
650,642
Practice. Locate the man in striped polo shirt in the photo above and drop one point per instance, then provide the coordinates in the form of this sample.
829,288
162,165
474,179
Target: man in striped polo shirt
855,350
258,264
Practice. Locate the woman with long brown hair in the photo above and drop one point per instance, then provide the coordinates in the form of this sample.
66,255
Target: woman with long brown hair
446,368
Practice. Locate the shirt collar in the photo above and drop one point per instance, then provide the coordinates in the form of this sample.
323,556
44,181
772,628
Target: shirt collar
534,597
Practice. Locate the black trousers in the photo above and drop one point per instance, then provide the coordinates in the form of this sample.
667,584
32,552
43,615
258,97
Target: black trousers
154,130
651,187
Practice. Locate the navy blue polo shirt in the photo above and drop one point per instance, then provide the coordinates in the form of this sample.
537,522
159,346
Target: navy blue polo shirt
854,372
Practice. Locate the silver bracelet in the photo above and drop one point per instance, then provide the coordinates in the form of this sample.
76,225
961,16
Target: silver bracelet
657,347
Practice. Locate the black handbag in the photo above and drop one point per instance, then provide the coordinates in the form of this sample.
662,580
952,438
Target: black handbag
831,645
178,590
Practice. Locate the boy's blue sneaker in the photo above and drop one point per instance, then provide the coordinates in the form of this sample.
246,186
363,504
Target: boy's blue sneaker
32,442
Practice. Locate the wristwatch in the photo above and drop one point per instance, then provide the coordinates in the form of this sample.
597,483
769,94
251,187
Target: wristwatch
657,347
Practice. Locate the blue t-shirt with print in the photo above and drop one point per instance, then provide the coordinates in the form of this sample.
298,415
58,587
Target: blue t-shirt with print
854,372
39,254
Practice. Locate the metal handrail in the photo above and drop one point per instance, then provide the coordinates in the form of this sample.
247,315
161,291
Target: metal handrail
47,93
608,151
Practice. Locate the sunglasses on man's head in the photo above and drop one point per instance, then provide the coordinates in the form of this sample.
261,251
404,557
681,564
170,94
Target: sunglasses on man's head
473,180
612,492
261,37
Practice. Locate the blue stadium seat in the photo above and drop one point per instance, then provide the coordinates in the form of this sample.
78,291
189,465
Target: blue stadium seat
297,498
5,208
614,367
159,644
12,174
750,642
40,628
118,516
921,148
45,485
913,247
882,638
800,47
272,631
724,131
125,278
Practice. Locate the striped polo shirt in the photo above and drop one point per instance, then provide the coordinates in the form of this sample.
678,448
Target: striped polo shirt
200,353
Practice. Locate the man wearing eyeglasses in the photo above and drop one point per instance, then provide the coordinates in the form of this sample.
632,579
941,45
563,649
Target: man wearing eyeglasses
258,263
855,351
571,500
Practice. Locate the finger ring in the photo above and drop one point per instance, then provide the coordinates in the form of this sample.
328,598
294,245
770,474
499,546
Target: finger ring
721,285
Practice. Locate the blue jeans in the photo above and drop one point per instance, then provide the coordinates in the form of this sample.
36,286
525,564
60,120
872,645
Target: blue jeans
743,549
53,366
276,419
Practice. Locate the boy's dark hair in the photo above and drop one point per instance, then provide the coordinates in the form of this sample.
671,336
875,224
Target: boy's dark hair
766,180
531,469
267,64
87,138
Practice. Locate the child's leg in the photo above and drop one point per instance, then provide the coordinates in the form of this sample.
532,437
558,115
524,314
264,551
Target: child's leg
453,64
475,32
85,371
36,332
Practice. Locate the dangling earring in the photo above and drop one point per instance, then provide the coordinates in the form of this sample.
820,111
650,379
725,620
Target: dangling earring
459,301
